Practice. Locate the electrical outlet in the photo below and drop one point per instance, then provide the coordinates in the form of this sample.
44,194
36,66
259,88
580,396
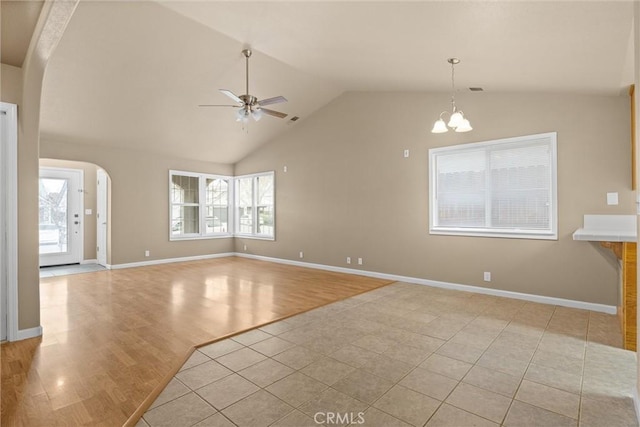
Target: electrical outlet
301,254
146,253
244,248
487,276
359,261
284,169
406,153
348,260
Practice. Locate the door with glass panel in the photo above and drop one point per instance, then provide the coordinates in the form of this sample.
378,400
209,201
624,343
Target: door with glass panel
60,216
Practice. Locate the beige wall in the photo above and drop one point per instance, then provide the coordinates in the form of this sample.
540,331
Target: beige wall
89,195
349,191
140,200
11,84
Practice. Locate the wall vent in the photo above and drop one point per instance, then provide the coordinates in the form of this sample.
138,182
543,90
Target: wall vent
292,120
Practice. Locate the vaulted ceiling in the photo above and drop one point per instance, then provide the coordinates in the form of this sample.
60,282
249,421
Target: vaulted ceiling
131,74
18,21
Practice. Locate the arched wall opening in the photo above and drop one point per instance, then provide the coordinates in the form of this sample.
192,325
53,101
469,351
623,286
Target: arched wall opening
95,216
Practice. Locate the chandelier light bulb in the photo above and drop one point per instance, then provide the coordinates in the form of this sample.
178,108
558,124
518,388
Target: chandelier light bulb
465,126
439,127
455,120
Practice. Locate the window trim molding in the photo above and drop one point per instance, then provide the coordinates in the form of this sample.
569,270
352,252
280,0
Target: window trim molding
550,234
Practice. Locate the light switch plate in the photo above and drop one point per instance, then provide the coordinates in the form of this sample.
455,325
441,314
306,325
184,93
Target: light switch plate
612,198
88,211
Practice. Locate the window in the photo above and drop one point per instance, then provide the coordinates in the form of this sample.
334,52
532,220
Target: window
501,188
203,206
199,205
255,205
217,205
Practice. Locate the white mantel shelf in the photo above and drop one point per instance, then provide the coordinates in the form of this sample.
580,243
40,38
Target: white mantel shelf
608,228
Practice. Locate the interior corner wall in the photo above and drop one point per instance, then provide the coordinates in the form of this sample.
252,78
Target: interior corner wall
89,186
139,209
349,192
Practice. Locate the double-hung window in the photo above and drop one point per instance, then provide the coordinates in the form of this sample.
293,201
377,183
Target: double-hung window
208,206
199,205
254,205
500,188
217,205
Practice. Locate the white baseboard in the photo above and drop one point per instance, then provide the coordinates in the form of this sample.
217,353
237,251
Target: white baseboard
24,334
609,309
167,261
89,261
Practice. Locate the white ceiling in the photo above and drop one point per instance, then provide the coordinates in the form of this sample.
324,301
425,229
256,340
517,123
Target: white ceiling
131,74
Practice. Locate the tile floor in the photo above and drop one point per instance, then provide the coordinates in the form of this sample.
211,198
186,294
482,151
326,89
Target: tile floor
64,270
410,355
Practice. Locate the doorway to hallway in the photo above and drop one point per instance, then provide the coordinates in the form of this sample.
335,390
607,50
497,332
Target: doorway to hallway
60,216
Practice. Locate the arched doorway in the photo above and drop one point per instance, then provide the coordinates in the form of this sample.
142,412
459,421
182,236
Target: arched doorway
73,213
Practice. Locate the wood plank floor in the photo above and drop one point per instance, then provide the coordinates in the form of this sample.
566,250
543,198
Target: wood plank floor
110,337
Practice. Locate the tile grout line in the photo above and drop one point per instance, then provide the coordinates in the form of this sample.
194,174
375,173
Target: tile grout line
513,399
415,367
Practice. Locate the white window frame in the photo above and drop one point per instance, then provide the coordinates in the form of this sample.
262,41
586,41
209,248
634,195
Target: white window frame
254,212
548,234
202,205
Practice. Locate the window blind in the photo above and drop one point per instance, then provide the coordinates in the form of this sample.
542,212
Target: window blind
503,187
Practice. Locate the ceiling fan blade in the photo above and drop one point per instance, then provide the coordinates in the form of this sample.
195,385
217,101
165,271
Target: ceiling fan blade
274,113
217,105
231,95
274,100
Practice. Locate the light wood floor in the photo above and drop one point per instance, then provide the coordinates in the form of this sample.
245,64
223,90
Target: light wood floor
111,337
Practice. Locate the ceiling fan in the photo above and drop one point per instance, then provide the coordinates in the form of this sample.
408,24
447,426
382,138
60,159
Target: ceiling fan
248,105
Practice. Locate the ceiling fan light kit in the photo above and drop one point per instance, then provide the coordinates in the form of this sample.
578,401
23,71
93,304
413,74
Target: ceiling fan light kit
457,121
248,105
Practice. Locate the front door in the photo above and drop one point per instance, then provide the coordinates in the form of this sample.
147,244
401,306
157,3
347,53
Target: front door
60,227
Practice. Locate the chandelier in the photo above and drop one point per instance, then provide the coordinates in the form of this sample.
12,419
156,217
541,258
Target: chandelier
457,120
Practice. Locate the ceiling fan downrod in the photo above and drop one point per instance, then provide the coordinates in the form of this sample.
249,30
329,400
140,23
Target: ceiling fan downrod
247,55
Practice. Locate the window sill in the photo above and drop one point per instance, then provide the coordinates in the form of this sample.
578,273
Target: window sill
254,237
484,233
221,236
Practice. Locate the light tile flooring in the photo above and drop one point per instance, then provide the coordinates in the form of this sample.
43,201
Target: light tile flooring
410,355
65,270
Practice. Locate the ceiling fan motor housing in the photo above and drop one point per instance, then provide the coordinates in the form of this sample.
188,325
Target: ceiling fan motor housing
249,100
